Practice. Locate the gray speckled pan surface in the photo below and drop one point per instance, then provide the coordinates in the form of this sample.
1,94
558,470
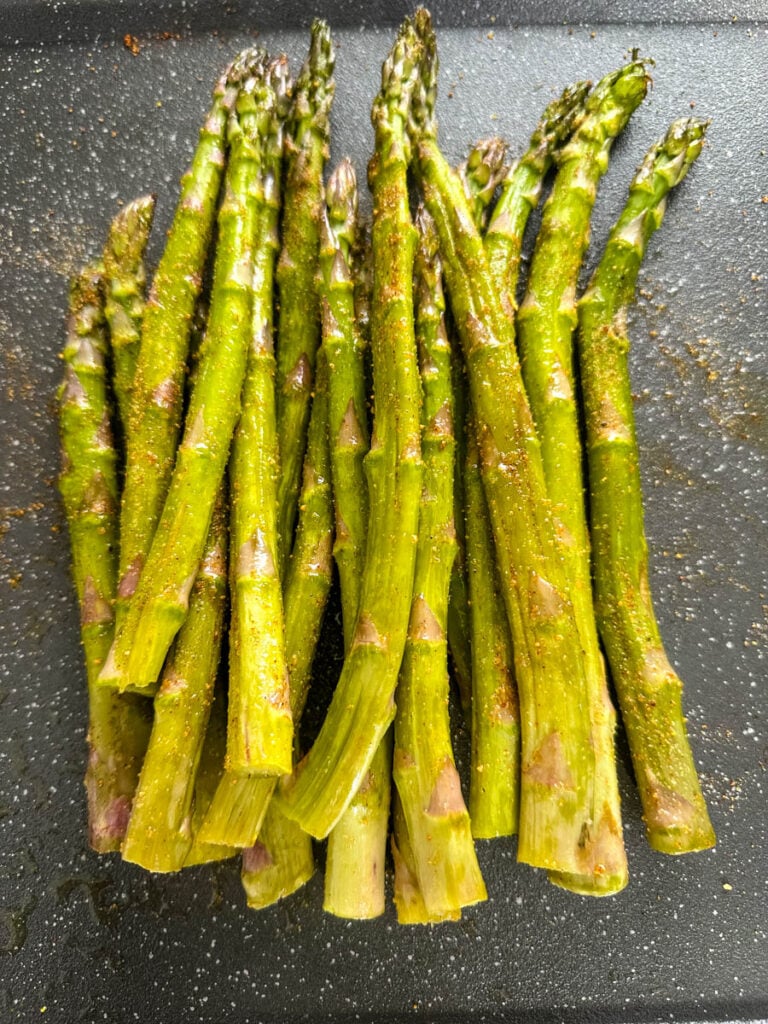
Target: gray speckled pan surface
86,123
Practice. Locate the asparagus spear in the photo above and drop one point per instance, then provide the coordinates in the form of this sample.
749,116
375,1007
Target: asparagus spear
408,896
521,189
310,570
354,870
494,782
236,811
546,320
362,706
458,622
557,760
495,713
494,779
278,863
480,174
125,278
260,731
281,859
648,689
348,414
207,778
118,728
160,603
357,845
362,259
363,291
159,835
238,808
299,326
424,770
156,400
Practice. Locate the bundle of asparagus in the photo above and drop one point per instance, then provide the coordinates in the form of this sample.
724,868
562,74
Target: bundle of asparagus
451,500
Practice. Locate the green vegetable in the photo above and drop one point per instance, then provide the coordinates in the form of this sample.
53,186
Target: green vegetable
158,382
159,835
355,859
160,603
118,726
125,279
424,770
546,320
648,689
236,813
260,729
557,761
362,707
521,189
308,139
495,714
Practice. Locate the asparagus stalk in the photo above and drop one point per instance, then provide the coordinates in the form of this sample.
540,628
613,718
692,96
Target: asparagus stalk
125,278
495,713
521,190
363,291
118,728
546,320
237,811
458,622
424,769
207,778
309,573
362,707
159,835
354,871
494,782
281,859
648,689
299,326
278,863
409,900
348,414
357,845
160,603
260,731
480,174
156,399
362,259
557,760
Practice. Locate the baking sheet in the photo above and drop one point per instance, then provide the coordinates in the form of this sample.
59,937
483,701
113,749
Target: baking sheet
86,123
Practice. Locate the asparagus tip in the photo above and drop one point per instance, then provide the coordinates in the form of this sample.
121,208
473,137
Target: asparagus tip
481,172
321,51
422,110
279,74
623,87
86,289
341,192
247,63
128,232
673,155
399,76
315,86
562,116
